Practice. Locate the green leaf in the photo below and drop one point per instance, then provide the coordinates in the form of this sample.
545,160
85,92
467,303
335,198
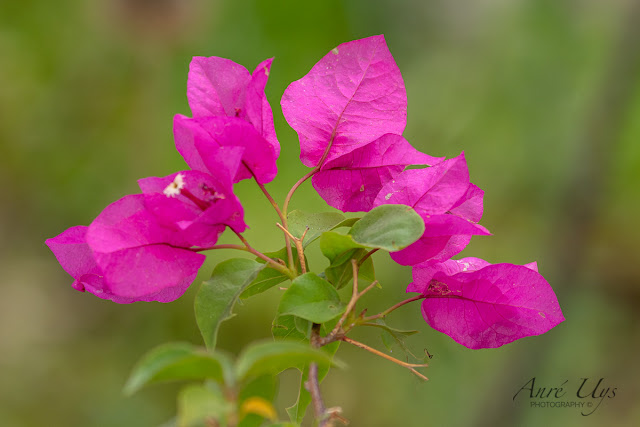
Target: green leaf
264,387
317,222
346,223
340,249
269,277
273,357
341,274
389,227
311,298
217,296
290,327
201,406
334,246
178,361
265,280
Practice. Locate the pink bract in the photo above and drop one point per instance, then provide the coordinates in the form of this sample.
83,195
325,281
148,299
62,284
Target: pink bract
352,181
138,248
352,96
447,202
200,141
481,305
199,211
144,273
220,87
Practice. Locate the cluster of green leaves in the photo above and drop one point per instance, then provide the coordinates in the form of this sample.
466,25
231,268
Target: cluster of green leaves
241,391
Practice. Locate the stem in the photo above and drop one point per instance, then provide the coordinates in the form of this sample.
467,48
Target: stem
238,247
409,366
299,247
390,309
271,200
338,331
367,255
287,200
285,206
248,248
313,387
282,215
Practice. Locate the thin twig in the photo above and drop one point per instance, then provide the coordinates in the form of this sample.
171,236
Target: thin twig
287,200
409,366
287,232
355,296
285,205
271,200
299,247
367,255
308,175
304,233
210,248
390,309
281,213
248,248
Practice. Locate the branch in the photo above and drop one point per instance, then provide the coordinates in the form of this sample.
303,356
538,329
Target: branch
389,310
409,366
367,255
248,248
313,387
299,247
282,215
338,331
285,206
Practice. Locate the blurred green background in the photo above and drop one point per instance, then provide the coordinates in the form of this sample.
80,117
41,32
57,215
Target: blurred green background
542,95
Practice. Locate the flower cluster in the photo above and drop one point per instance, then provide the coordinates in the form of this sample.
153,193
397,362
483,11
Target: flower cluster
145,247
349,112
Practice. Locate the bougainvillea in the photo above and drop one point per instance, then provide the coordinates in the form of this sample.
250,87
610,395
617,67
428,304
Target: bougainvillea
349,112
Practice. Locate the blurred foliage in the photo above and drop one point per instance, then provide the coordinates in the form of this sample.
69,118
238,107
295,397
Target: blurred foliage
542,95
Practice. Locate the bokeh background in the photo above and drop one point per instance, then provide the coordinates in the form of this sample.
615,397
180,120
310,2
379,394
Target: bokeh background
542,95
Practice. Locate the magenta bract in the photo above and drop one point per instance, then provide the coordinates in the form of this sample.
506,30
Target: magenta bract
138,248
196,204
139,257
220,87
447,202
352,96
352,181
200,141
128,260
481,305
